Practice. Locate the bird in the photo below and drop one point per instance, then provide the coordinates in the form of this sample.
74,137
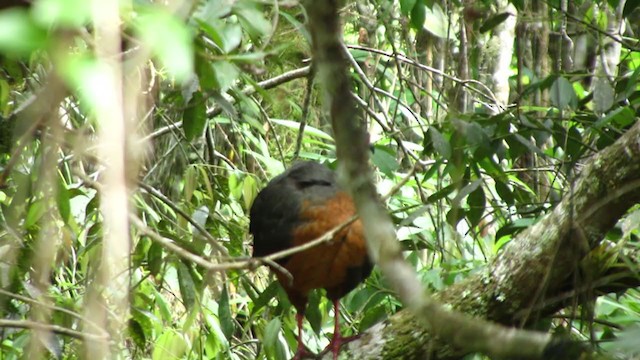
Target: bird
298,206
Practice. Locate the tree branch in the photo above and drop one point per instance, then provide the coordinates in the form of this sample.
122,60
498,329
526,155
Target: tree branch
551,250
352,144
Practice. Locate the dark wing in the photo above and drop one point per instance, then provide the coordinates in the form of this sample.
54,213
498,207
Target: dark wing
275,213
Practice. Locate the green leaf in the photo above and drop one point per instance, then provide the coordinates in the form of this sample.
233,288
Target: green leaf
313,313
231,37
444,192
473,133
270,338
504,192
206,76
252,19
194,118
248,287
372,317
63,200
187,286
145,319
34,214
440,143
545,83
433,278
200,216
494,21
455,215
274,166
603,95
436,21
519,4
265,296
630,83
476,202
308,130
5,92
69,13
384,160
249,191
624,117
214,324
227,36
136,333
169,39
210,11
154,258
190,179
163,306
574,143
170,345
213,346
562,94
418,14
512,228
406,6
468,189
528,144
358,298
226,74
628,338
491,167
235,184
224,314
19,34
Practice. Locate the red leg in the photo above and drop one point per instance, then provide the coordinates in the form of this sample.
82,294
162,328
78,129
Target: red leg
338,340
302,352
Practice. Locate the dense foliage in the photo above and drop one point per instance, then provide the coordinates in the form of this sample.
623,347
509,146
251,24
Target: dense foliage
480,117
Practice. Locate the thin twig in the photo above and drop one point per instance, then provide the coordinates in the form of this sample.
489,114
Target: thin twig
239,263
33,325
56,308
489,95
249,90
305,115
160,196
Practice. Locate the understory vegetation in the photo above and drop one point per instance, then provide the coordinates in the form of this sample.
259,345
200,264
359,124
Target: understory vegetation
134,137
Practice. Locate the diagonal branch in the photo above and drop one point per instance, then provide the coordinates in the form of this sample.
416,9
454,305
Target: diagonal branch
351,142
551,250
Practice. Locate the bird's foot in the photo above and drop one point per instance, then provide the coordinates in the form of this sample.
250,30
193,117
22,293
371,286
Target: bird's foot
302,353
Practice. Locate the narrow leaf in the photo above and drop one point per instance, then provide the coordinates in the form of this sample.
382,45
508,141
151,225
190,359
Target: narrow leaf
494,21
224,314
476,202
406,6
562,93
187,286
63,200
504,192
194,117
270,337
440,143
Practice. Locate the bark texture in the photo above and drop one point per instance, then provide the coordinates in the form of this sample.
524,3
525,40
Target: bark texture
540,263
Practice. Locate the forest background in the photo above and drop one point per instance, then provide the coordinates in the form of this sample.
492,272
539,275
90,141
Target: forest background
134,136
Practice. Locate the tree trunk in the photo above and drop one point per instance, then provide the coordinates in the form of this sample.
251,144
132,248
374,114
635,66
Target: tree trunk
540,263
